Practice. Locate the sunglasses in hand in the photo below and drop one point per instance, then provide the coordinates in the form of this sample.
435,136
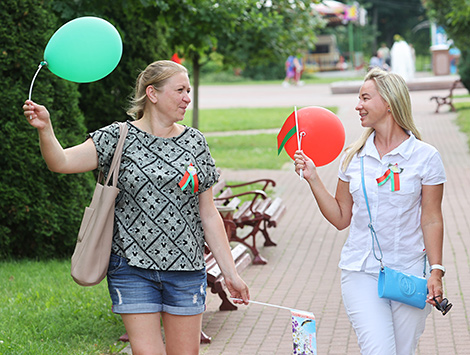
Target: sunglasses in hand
444,306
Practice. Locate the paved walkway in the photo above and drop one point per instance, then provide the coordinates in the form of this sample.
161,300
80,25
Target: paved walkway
302,270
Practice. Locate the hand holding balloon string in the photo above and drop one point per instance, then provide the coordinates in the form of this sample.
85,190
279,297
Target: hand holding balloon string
43,63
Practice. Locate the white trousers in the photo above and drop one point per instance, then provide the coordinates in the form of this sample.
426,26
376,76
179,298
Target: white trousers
382,326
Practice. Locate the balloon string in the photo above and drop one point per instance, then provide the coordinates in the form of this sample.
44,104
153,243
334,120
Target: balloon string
302,134
43,63
32,82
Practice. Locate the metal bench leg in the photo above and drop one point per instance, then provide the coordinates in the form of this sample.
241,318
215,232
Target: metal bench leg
257,258
268,242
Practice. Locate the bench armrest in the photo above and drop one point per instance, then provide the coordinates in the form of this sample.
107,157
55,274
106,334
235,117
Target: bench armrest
265,181
257,193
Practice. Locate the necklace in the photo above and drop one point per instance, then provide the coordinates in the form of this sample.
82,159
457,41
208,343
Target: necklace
380,152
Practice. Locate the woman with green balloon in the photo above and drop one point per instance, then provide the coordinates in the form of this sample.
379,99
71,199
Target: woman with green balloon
164,212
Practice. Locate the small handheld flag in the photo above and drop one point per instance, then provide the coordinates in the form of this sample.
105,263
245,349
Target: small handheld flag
304,333
288,130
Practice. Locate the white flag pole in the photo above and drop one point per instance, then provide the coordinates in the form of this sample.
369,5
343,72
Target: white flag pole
274,305
298,137
264,304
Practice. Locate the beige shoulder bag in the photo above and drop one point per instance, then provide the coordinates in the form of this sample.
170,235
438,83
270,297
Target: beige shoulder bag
91,256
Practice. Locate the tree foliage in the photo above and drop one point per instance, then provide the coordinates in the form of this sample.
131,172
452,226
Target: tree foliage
389,18
454,16
40,211
243,32
106,100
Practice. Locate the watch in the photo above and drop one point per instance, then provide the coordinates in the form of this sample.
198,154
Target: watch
439,267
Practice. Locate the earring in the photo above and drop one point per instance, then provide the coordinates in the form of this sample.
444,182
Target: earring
389,110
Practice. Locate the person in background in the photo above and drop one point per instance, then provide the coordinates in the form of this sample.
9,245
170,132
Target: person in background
402,59
298,70
384,53
157,269
408,220
375,61
454,54
294,69
290,71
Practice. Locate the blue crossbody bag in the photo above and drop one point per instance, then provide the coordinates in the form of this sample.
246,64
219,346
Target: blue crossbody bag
395,285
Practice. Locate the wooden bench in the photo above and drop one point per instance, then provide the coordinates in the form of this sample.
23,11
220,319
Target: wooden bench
446,100
216,282
259,213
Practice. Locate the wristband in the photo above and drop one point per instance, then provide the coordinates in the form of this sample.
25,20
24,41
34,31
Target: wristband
438,267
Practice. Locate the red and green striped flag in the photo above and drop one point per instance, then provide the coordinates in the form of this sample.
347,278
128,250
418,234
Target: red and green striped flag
288,130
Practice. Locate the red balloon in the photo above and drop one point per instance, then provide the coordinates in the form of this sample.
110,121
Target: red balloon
321,135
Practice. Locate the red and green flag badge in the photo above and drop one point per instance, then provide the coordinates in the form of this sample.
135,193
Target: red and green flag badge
190,176
392,174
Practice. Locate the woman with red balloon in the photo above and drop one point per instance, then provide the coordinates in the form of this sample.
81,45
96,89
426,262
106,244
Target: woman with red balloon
389,194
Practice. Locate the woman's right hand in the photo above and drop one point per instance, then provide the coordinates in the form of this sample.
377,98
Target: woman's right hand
37,115
304,163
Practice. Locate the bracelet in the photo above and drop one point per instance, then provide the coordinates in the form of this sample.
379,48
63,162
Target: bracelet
438,267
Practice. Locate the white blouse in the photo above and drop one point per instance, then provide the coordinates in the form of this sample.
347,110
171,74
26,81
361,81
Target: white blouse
396,215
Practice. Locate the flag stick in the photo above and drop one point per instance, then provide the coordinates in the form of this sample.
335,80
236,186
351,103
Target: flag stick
298,137
264,304
272,305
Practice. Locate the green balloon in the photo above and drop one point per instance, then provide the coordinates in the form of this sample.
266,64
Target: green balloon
84,50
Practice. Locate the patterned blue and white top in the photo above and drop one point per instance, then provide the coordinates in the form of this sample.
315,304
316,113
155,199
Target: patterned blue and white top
157,224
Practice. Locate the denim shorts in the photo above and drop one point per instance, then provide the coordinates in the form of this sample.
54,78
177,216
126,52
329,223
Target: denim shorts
137,290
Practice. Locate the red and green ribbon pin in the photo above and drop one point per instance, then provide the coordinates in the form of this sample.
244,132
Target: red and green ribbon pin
190,176
392,174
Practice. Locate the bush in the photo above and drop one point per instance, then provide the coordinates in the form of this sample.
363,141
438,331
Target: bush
464,68
40,211
267,71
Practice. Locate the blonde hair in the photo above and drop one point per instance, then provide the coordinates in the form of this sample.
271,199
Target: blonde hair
394,91
156,74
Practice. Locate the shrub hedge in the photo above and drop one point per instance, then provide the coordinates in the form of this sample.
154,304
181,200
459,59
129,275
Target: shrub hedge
40,211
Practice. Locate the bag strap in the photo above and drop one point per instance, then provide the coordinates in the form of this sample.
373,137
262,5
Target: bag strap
115,164
371,227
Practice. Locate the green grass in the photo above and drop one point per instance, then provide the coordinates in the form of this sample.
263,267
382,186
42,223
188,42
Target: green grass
42,311
238,152
306,78
247,152
463,118
239,119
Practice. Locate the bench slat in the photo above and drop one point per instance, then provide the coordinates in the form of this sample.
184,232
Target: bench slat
273,207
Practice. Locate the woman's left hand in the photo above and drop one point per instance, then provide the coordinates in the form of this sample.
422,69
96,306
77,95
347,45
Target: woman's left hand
435,287
238,289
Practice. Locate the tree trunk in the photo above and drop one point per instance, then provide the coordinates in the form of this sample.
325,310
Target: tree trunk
375,26
196,70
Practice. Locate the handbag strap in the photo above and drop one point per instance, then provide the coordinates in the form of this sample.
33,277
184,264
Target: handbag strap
371,227
115,164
